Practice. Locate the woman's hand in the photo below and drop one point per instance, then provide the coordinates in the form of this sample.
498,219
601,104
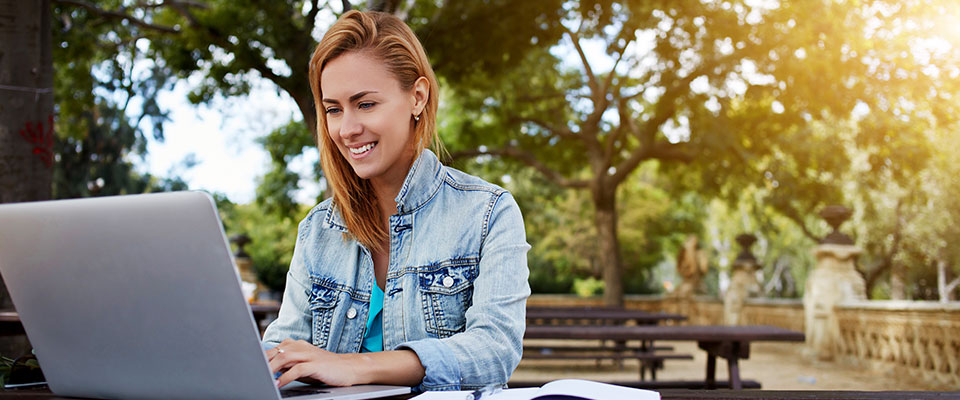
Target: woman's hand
300,360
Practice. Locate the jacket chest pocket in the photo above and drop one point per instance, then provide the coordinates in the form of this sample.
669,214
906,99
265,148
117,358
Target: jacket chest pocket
323,301
445,294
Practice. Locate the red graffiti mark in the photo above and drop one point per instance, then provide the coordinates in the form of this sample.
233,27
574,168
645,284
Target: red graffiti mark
41,139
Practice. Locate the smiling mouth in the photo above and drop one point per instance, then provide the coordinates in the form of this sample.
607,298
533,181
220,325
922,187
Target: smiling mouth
362,149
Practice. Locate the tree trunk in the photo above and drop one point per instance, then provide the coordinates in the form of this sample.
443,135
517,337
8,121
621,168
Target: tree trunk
945,288
26,103
898,281
26,117
605,221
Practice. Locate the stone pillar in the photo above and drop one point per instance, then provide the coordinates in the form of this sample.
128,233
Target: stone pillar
743,280
834,279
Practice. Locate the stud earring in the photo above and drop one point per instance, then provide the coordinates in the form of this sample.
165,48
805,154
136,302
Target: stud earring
416,118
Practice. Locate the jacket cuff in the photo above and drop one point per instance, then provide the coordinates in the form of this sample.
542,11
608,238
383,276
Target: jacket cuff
441,369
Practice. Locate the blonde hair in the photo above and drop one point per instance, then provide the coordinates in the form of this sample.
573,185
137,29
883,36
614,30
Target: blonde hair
390,40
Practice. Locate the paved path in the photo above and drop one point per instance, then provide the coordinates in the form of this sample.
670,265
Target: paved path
777,366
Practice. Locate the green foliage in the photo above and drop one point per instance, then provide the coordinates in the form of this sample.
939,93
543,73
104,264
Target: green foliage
106,100
782,250
25,369
564,255
906,226
587,287
471,41
776,112
272,239
275,191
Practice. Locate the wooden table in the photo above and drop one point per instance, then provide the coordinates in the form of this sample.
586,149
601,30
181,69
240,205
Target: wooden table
608,316
666,394
263,314
729,342
649,359
10,324
602,314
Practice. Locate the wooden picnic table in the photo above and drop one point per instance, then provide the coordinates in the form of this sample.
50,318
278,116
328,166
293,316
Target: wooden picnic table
606,314
263,314
666,394
10,323
649,359
729,342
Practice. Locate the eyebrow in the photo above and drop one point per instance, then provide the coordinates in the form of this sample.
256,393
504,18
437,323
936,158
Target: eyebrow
352,98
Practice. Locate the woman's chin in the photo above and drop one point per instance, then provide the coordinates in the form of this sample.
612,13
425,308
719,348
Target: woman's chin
365,171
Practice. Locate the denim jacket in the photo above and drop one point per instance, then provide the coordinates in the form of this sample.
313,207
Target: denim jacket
456,286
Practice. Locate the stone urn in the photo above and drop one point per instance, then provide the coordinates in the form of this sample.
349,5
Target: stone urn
834,279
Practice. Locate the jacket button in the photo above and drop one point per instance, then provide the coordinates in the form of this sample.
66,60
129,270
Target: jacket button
448,281
351,313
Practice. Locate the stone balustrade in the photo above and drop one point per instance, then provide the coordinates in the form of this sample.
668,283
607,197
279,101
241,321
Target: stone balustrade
785,313
921,339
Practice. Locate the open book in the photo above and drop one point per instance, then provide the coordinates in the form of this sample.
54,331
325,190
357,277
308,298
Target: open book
564,389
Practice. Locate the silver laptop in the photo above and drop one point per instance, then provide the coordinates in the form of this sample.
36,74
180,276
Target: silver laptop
137,297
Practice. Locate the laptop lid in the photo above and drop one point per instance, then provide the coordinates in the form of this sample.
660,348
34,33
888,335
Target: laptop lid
133,297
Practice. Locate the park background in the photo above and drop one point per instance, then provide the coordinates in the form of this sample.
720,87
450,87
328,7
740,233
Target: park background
621,127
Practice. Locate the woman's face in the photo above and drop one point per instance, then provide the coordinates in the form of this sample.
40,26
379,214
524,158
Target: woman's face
369,116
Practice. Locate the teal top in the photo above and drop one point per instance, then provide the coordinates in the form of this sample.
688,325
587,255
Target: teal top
373,336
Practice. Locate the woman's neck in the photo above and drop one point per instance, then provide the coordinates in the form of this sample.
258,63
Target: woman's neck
387,187
386,197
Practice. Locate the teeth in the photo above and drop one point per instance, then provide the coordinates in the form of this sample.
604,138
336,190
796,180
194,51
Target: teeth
363,149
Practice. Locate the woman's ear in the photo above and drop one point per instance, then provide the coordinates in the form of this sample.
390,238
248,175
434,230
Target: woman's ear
421,92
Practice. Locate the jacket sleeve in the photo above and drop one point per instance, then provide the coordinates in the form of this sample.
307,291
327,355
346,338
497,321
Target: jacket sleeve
490,347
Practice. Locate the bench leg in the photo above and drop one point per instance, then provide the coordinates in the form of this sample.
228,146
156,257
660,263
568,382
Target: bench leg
711,371
733,368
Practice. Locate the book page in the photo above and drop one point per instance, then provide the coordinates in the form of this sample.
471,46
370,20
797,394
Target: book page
590,390
576,388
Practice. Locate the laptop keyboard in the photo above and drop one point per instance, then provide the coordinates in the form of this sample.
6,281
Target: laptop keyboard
303,391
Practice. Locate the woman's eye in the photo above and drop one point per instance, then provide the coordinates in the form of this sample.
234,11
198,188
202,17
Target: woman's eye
332,110
366,106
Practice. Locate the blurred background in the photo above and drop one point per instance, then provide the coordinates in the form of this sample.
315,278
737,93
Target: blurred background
625,129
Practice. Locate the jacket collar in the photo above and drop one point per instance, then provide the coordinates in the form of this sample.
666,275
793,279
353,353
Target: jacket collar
422,182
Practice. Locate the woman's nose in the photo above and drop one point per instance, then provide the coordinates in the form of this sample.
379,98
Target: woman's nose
350,125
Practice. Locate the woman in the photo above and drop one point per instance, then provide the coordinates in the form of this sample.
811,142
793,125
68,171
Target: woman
413,273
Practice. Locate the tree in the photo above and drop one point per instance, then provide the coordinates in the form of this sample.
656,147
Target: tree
927,261
560,230
26,117
228,43
723,90
106,106
727,87
26,121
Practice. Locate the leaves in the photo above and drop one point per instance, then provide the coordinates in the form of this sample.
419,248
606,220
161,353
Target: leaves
756,112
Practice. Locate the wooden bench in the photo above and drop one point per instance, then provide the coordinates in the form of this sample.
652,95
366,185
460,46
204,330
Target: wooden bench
649,361
729,342
548,348
603,316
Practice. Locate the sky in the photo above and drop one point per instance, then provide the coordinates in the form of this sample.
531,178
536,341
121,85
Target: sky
222,137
